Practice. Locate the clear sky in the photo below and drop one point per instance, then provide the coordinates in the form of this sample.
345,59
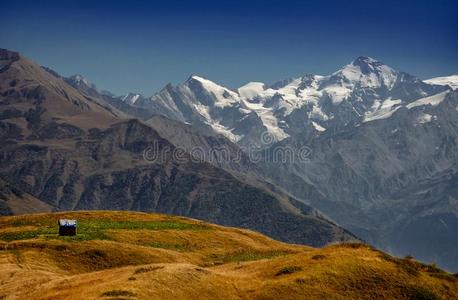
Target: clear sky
140,46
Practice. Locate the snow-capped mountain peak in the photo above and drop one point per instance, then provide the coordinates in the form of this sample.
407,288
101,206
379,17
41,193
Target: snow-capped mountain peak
212,86
81,80
131,98
220,95
451,81
365,60
251,90
367,72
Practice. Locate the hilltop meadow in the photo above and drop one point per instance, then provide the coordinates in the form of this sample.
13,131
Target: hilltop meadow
128,255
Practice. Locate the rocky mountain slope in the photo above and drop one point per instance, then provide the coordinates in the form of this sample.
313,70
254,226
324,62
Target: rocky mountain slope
15,202
202,143
73,151
126,255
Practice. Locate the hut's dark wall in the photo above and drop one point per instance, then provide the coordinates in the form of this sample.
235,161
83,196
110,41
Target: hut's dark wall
67,230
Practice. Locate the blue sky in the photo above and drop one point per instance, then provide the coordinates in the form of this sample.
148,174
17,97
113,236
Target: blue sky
140,46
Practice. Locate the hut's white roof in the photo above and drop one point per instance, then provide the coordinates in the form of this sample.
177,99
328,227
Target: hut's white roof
67,222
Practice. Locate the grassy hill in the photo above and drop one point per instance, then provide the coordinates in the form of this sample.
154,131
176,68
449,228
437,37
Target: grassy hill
128,255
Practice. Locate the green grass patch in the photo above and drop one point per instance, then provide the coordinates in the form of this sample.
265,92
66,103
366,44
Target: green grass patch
108,224
95,230
19,235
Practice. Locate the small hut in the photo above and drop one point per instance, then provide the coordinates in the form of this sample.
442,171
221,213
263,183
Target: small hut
67,227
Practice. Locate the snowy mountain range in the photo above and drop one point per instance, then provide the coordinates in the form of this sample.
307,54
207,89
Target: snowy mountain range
362,91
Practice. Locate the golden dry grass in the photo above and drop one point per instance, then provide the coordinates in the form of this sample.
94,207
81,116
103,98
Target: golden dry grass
127,255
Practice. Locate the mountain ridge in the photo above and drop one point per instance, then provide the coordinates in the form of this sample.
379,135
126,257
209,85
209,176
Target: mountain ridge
279,110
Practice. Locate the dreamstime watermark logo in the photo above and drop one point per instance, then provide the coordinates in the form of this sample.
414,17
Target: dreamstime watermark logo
267,138
267,150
